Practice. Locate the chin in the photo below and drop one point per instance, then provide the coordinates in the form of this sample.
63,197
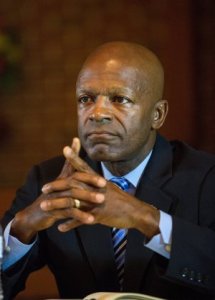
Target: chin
102,154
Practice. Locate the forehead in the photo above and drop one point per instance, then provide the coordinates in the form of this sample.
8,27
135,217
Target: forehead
112,75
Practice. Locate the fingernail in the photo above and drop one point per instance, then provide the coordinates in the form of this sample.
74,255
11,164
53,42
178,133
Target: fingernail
101,182
62,228
67,151
100,198
43,205
46,188
90,219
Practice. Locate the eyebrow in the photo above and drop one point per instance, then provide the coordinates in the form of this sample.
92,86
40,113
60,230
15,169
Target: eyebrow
111,91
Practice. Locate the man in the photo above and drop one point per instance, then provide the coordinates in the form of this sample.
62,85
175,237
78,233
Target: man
169,212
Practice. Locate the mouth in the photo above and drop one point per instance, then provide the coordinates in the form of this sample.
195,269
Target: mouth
100,133
100,136
101,144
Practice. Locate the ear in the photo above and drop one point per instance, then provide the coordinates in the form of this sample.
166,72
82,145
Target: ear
159,114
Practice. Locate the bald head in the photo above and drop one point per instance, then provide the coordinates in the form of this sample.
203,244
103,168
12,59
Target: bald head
120,106
147,68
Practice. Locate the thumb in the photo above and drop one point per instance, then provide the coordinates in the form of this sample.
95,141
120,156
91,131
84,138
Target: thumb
68,169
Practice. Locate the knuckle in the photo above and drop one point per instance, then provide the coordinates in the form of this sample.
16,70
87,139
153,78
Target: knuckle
68,212
93,196
68,202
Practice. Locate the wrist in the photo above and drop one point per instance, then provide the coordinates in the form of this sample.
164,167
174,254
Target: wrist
21,229
148,221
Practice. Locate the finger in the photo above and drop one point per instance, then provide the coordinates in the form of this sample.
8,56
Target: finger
48,205
94,180
76,145
76,162
67,168
76,182
60,184
88,196
71,224
60,203
64,185
80,217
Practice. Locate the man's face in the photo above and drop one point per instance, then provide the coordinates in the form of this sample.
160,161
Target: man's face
114,112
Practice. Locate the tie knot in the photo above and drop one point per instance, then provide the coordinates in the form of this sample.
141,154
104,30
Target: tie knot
123,183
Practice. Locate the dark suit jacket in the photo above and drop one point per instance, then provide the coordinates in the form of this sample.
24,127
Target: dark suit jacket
178,180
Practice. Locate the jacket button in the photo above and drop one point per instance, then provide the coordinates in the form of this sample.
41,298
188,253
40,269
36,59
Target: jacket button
192,275
185,272
199,277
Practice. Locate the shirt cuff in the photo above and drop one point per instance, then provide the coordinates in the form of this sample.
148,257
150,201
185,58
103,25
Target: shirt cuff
161,243
15,249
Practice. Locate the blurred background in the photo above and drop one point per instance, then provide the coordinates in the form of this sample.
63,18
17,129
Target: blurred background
42,46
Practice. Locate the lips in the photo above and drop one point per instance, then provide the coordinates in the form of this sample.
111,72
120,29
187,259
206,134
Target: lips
100,135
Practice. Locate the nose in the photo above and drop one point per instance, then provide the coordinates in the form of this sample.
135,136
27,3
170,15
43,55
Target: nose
101,111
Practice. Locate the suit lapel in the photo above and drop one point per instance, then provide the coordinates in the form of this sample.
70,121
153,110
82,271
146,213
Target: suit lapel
97,239
97,244
159,168
157,173
136,261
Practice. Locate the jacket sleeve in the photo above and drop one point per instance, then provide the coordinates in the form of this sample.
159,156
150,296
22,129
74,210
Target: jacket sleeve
192,260
14,277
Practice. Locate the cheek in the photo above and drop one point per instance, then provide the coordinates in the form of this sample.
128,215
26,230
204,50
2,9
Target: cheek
138,130
137,123
80,131
80,128
81,119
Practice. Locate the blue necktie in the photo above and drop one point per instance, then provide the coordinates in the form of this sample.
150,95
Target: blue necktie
119,236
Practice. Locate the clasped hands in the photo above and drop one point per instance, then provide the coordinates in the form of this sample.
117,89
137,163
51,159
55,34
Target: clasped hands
101,202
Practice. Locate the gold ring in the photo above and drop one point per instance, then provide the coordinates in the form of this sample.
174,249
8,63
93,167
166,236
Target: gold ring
77,203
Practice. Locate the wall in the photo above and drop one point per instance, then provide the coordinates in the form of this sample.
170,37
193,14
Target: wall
38,116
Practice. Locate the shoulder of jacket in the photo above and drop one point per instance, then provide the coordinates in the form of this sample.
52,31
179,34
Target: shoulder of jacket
192,157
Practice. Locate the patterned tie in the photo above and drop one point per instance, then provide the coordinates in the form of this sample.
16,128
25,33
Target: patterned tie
119,236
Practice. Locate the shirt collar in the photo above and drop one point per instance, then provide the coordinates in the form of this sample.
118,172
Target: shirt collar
134,175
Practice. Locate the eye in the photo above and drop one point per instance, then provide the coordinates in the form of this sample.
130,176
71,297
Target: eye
121,100
85,99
